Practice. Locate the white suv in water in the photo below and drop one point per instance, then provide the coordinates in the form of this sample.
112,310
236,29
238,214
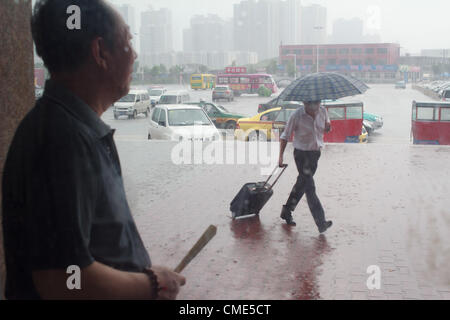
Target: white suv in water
134,103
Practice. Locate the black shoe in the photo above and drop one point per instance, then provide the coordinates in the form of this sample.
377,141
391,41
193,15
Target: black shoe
325,226
287,215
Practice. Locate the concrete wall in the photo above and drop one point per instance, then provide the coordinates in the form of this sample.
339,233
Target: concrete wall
16,80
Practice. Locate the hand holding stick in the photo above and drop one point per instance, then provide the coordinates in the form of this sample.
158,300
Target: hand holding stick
204,239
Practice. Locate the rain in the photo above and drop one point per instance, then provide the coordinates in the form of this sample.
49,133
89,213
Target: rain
213,88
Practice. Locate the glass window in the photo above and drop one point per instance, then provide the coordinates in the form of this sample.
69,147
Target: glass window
425,113
223,80
281,117
382,50
445,114
155,115
308,51
321,51
343,51
128,98
168,100
270,116
156,92
308,62
210,109
331,51
188,117
298,51
370,50
336,113
289,113
234,80
196,78
284,115
266,80
162,116
285,52
354,113
332,62
356,50
343,62
221,88
245,80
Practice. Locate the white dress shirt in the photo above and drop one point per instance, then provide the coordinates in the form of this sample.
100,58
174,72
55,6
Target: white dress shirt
308,132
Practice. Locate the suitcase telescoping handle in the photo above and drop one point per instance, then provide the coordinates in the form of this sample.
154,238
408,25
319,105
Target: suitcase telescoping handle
278,177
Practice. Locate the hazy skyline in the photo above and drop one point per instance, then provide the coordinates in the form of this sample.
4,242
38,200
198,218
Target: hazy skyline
396,21
414,24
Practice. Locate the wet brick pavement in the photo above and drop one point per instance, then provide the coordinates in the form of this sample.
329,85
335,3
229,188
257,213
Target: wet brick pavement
389,205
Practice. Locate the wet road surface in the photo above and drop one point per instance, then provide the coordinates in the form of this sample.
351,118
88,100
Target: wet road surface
388,201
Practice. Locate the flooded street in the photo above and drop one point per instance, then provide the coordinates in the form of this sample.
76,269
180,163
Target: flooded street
387,200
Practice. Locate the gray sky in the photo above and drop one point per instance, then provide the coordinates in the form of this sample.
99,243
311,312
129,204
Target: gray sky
415,24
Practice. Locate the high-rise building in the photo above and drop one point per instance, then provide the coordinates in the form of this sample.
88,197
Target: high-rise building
290,14
348,31
436,53
313,24
129,16
208,33
156,33
261,26
187,40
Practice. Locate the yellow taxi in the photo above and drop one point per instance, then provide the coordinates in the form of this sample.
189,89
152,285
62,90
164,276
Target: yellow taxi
363,138
261,127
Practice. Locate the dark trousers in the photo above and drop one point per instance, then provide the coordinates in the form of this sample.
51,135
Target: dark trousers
306,162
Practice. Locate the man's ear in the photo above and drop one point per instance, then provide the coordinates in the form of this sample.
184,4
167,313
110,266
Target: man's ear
100,53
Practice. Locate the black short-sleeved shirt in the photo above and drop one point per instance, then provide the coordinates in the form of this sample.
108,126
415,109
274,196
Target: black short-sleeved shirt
64,201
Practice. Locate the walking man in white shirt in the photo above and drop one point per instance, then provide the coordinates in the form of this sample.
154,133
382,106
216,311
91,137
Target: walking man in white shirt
308,124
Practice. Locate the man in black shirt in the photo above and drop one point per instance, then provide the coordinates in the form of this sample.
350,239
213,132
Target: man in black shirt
64,202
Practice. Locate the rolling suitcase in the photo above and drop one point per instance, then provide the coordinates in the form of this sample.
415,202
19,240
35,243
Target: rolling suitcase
253,196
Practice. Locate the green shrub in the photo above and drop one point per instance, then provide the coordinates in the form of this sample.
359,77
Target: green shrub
264,92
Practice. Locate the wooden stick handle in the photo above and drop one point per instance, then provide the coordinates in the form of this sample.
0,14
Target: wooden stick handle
204,239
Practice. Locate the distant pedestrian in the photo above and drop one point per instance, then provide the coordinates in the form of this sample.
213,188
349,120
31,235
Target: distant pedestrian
308,125
64,203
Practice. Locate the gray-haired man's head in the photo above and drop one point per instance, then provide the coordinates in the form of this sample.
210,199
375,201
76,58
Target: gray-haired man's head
101,43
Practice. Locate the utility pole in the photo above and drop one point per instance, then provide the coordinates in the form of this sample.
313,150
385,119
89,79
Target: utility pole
317,48
295,63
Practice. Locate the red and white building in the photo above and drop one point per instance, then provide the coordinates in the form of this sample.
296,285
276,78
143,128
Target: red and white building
369,61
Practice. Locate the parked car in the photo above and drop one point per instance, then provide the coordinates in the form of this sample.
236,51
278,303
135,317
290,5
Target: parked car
260,126
363,138
175,97
277,103
372,122
445,95
180,122
155,94
222,92
220,116
400,85
134,103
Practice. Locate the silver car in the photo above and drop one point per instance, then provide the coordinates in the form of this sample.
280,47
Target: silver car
222,92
